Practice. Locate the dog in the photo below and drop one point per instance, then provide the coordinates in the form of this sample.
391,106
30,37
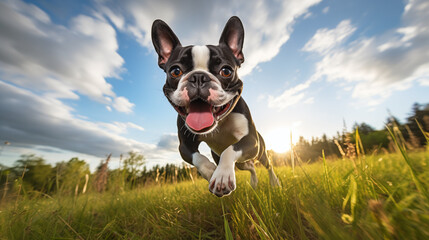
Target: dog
203,87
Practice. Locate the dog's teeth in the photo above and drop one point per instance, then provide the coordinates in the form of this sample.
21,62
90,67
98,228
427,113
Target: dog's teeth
215,109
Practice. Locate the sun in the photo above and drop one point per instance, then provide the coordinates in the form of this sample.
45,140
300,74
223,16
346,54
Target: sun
278,139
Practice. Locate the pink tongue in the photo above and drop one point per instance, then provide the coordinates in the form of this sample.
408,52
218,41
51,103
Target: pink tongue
200,116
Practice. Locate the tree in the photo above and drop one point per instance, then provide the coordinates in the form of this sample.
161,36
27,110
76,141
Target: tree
392,120
37,174
133,164
419,113
71,175
363,128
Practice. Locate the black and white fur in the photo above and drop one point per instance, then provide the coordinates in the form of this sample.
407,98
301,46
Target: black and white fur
207,75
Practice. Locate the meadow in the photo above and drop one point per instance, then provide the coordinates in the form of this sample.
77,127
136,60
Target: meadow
366,197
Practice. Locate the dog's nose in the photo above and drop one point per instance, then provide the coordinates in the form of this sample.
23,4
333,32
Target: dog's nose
199,79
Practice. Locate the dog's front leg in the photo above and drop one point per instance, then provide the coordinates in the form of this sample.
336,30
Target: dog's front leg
203,164
223,181
189,152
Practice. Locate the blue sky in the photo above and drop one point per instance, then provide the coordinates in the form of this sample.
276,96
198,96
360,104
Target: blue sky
80,78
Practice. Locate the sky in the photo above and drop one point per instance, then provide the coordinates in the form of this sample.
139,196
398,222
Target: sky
80,78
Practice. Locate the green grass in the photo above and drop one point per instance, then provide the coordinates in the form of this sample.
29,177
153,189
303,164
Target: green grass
378,199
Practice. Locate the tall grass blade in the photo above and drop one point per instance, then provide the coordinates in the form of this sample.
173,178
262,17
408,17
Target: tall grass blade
20,184
228,233
326,172
298,215
359,145
71,228
416,181
292,159
261,228
425,134
352,196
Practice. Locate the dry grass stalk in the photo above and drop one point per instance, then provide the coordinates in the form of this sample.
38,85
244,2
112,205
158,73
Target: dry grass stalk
414,141
384,150
102,174
157,175
340,148
350,150
190,173
391,145
426,121
350,147
86,183
299,160
76,190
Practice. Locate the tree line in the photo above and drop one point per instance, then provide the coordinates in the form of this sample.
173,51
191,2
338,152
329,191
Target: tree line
413,131
32,175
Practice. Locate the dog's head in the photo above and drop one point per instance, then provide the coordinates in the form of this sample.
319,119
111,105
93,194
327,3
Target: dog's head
202,82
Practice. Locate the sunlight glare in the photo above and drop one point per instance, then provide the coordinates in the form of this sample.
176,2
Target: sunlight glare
279,139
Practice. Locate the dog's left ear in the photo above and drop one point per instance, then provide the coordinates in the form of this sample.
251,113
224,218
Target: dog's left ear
233,37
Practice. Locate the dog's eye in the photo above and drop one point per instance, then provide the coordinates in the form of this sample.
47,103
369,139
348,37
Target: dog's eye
176,72
225,72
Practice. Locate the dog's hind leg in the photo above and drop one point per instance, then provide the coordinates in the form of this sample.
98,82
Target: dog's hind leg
249,166
274,181
266,161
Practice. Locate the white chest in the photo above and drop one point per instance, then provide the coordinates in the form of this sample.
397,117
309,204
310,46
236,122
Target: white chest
234,127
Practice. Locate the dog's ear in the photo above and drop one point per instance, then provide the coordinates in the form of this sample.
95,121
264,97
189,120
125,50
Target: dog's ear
164,40
233,37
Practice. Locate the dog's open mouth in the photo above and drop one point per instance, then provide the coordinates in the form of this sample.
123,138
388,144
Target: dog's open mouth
201,116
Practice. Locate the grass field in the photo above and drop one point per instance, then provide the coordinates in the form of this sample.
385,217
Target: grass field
375,197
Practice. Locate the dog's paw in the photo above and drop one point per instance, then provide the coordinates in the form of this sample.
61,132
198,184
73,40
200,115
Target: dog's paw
222,182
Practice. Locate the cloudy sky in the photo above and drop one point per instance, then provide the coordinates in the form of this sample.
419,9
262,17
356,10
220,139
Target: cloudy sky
80,78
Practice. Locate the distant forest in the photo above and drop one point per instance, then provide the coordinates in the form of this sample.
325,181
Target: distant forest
374,141
31,175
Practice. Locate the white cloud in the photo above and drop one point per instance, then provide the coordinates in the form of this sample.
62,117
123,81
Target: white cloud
268,25
290,97
59,61
119,127
378,66
406,33
135,126
424,82
307,15
373,67
47,122
121,104
309,100
326,39
325,10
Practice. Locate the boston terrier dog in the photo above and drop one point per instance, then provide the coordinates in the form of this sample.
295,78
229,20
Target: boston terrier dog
204,88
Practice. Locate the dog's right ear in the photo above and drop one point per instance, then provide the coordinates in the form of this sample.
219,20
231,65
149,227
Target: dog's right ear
164,40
